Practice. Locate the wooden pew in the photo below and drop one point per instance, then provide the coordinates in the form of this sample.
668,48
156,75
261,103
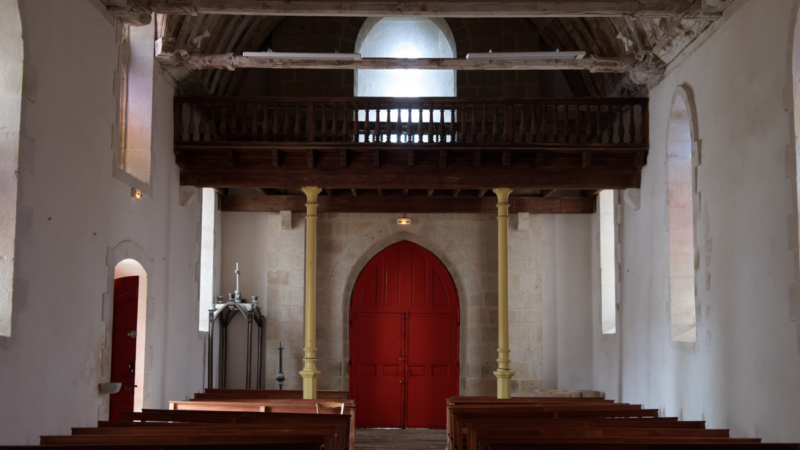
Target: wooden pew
150,417
455,430
317,437
218,394
300,406
225,446
336,426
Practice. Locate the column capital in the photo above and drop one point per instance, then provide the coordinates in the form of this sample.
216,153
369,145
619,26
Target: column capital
311,193
502,194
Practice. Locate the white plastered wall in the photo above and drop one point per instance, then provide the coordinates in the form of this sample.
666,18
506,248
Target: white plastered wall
74,214
743,371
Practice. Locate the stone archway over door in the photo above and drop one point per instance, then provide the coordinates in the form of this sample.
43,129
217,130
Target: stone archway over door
404,325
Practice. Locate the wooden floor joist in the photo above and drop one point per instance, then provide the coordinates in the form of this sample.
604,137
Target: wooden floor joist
402,204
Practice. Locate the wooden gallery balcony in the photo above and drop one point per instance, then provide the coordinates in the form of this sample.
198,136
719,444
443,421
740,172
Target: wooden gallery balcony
402,144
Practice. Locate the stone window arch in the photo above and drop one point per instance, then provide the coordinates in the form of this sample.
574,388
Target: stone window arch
682,159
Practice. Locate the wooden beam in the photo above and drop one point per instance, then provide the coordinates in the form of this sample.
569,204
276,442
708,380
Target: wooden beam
329,192
586,159
455,192
231,61
355,192
430,192
220,191
136,11
263,191
548,192
482,192
575,178
486,205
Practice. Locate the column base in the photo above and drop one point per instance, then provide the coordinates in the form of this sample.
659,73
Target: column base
309,383
503,383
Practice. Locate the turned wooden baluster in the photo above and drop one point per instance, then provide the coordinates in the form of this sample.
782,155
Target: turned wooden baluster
420,126
631,109
589,122
621,124
567,127
483,124
323,129
645,124
522,130
334,127
533,123
555,124
275,127
243,131
441,125
495,119
286,124
264,123
223,122
378,135
460,112
254,124
430,123
473,130
345,130
311,127
366,124
409,129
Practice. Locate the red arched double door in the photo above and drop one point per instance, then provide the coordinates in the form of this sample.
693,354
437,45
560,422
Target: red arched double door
403,339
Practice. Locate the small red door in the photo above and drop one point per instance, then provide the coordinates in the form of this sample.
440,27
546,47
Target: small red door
123,344
403,339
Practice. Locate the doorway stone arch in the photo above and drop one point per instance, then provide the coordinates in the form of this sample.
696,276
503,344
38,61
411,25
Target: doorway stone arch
382,233
137,263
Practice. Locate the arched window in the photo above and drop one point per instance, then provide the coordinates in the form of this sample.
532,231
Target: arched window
133,161
11,59
209,256
680,136
405,37
608,262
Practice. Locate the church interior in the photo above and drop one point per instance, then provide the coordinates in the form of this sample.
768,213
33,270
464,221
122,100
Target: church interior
370,224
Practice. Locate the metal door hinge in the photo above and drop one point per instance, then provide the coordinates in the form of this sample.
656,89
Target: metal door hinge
132,334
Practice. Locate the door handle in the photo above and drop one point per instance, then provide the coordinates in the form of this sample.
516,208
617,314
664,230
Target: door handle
401,360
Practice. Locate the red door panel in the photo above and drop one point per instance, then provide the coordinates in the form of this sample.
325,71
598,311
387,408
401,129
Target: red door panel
123,344
432,349
403,339
378,374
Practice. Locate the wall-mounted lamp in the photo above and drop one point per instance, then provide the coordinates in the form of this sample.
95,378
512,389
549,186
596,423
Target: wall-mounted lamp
136,193
404,220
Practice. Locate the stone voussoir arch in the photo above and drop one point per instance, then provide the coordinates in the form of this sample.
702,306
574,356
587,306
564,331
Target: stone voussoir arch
424,232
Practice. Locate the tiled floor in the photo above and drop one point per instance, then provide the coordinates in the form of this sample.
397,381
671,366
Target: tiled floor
374,439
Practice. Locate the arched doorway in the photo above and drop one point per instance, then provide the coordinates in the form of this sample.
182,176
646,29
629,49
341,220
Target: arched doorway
403,339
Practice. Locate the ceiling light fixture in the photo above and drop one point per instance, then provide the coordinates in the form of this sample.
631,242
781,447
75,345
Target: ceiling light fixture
526,55
305,56
404,220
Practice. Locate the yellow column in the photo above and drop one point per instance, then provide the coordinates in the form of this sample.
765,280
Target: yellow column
503,373
310,372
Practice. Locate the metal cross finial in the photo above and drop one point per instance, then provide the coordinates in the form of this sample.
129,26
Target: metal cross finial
237,294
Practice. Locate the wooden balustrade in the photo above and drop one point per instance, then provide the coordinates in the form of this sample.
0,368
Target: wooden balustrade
412,122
